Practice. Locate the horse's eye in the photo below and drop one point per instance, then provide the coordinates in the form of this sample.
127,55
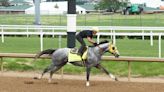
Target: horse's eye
113,48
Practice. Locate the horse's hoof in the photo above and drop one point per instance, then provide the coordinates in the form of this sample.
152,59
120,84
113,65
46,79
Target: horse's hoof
87,84
116,79
50,81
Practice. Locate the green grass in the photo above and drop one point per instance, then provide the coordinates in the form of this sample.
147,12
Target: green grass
87,20
117,68
127,47
138,48
28,45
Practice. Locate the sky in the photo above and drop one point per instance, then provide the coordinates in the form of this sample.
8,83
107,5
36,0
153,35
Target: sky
149,3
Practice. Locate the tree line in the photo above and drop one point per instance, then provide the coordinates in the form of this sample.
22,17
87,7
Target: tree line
110,5
4,2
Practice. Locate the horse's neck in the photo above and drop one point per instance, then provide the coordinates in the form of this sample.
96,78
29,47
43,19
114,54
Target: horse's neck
101,49
104,46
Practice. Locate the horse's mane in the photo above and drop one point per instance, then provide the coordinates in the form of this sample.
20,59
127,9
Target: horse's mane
104,41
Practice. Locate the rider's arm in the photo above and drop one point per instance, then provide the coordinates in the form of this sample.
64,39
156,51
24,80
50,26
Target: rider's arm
90,40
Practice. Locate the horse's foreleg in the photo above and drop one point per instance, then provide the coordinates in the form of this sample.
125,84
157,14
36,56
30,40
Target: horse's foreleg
104,70
88,69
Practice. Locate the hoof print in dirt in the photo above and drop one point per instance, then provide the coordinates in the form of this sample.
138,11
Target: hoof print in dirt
28,82
35,78
53,83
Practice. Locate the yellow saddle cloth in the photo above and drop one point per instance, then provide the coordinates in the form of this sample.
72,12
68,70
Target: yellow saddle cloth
72,57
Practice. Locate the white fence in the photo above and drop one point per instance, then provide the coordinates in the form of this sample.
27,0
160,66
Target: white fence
41,30
114,28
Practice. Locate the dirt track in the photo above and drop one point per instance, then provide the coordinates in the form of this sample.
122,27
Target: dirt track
21,84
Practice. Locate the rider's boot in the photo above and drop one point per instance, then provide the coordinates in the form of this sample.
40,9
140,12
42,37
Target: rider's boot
81,51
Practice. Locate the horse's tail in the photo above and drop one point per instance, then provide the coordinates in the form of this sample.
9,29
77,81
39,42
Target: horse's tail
48,51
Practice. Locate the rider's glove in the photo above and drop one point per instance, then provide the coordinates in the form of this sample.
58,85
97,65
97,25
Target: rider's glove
95,44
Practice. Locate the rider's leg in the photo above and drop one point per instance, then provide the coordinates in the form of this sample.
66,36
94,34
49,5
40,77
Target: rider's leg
82,49
83,45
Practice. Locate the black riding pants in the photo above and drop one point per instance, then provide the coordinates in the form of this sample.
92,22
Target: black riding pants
83,45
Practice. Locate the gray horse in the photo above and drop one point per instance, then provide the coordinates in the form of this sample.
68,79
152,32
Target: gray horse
60,58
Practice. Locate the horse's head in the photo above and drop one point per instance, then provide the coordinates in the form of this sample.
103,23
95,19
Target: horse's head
107,46
113,50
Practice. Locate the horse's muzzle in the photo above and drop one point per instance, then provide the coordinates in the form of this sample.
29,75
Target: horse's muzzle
116,55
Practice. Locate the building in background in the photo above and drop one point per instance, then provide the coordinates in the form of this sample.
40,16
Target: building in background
54,8
15,7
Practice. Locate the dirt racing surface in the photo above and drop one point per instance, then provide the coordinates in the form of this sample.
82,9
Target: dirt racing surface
21,84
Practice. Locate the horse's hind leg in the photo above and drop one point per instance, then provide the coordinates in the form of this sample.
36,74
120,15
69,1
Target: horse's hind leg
108,73
55,68
47,69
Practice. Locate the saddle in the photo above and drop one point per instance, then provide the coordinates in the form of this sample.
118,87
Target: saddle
74,50
73,55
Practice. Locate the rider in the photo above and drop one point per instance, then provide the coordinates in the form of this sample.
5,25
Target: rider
86,34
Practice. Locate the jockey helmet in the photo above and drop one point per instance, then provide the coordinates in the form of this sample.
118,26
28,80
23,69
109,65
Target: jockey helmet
95,29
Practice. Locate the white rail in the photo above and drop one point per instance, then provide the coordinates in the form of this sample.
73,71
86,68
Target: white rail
115,28
154,31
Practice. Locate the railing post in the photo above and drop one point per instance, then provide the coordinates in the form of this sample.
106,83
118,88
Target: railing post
114,37
129,70
1,64
60,41
27,32
151,38
98,38
159,46
53,30
41,42
143,37
2,35
111,36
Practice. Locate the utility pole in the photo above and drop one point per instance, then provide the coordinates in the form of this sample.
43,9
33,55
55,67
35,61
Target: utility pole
37,12
71,24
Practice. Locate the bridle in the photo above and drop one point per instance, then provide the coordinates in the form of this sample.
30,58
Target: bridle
101,49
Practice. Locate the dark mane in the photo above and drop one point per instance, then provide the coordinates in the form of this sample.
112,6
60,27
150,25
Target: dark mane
104,41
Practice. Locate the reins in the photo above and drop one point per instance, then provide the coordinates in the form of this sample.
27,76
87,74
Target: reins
101,49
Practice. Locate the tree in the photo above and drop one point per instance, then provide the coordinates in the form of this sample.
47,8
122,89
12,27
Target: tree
111,5
5,3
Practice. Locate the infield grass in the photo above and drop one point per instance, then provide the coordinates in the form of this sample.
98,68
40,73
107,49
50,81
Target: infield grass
87,20
127,47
